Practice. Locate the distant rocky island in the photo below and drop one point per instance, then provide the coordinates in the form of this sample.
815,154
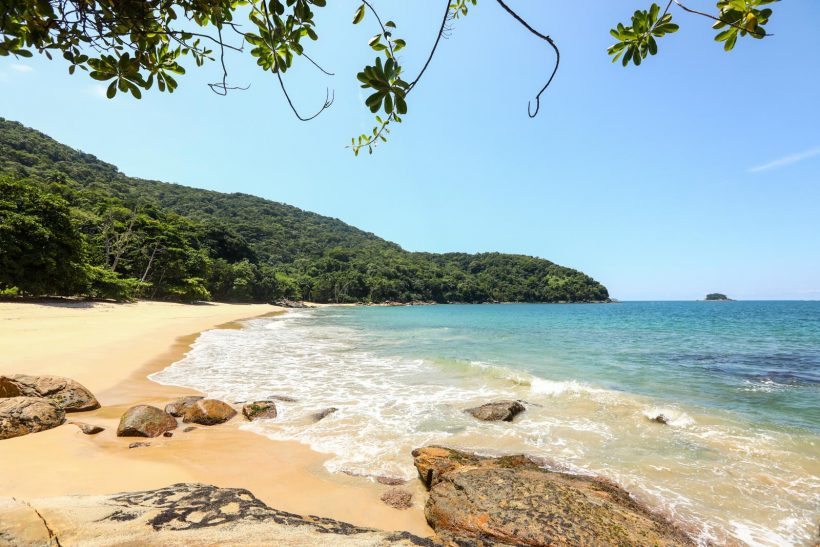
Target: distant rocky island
718,296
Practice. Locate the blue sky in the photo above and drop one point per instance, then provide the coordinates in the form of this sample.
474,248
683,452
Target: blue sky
698,171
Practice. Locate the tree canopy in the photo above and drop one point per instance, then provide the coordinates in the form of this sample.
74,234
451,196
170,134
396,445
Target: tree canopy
97,232
138,45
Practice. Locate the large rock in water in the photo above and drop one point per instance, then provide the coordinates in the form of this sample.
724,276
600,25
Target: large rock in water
498,411
259,410
145,421
208,412
512,501
63,392
179,515
23,415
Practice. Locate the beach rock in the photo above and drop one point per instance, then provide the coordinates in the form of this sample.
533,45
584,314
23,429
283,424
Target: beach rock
139,445
63,392
189,429
259,410
660,419
179,515
21,525
498,411
208,412
398,498
510,500
145,421
168,434
88,429
177,407
390,481
23,415
291,304
324,414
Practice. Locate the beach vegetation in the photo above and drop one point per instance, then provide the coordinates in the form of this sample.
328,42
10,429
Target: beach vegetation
71,224
136,46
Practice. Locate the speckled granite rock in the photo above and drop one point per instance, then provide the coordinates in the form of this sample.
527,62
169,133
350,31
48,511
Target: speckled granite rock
23,415
65,393
177,406
512,501
208,412
182,514
259,410
145,421
499,411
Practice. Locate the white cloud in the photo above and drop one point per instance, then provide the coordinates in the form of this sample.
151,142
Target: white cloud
97,90
786,160
21,68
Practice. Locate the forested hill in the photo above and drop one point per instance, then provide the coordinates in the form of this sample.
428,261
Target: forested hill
72,224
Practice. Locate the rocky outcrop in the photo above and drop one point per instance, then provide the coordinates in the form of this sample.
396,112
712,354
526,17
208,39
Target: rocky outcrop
398,498
208,412
512,501
145,421
660,419
88,429
291,304
177,407
324,413
179,515
496,412
63,392
259,410
23,415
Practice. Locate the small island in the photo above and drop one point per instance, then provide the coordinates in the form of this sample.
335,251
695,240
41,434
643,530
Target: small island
718,296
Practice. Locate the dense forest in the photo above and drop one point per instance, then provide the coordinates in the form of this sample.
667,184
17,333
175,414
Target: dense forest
71,224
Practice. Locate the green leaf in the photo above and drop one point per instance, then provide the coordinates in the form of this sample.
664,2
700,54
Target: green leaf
112,90
401,105
359,15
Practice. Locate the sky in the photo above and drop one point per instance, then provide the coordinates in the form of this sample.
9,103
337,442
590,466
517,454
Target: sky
697,172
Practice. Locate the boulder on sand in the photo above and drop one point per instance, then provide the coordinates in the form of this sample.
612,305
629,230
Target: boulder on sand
208,412
23,415
177,407
145,421
88,429
63,392
511,500
497,411
259,410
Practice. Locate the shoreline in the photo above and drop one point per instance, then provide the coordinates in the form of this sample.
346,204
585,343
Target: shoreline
62,461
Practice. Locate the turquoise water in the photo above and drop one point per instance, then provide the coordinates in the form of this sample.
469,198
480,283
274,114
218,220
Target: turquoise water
738,381
760,360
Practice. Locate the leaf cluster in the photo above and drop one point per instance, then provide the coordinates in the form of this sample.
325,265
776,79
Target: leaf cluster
638,40
735,18
739,18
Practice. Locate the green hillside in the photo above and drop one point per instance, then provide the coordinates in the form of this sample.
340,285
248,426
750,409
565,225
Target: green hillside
124,237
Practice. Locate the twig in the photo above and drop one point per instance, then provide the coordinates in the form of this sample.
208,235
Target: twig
546,39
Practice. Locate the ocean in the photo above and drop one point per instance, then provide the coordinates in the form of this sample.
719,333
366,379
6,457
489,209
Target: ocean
739,383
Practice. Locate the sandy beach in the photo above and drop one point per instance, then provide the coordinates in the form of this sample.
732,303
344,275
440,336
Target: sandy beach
111,349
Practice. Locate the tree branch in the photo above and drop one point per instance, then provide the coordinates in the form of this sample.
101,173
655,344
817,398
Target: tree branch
718,19
435,45
546,39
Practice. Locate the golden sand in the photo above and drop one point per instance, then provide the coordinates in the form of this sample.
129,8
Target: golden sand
111,348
